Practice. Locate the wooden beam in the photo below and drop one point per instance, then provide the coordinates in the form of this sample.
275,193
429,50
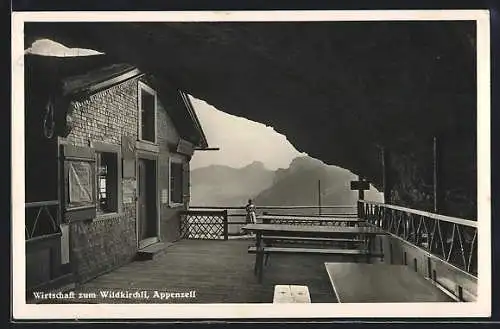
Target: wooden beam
93,88
361,192
208,149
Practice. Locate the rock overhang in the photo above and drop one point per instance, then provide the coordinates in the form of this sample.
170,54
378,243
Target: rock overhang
339,91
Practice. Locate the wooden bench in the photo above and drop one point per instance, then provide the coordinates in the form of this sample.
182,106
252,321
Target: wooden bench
321,251
291,294
274,241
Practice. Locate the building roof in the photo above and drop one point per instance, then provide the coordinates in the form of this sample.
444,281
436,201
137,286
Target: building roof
80,76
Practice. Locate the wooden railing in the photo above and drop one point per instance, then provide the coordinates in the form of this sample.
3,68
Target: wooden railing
289,210
41,219
452,239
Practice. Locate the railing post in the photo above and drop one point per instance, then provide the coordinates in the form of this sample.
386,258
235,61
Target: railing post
319,197
225,225
435,171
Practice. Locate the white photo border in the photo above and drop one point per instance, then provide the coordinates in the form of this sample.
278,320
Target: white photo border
480,308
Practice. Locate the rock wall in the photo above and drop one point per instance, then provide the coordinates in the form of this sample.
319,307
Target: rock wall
340,91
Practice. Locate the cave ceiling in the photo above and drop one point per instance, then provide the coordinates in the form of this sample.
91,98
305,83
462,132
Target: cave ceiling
339,91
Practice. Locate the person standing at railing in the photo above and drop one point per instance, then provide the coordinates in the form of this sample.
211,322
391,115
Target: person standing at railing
251,216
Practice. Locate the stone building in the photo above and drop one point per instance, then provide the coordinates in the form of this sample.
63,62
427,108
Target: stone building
107,154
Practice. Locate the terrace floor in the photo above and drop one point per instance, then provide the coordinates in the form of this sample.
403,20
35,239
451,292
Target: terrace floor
218,271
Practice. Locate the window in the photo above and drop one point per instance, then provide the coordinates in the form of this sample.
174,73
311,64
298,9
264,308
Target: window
92,181
176,182
107,182
147,115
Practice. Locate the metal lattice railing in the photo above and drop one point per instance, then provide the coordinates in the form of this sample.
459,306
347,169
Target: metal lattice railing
449,238
41,219
204,225
237,215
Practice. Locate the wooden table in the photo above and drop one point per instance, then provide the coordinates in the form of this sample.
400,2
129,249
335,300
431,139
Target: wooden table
366,232
311,230
381,283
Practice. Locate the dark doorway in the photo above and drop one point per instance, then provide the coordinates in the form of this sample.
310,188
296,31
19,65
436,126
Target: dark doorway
147,202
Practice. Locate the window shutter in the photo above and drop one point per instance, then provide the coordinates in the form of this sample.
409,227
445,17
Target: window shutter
178,182
172,182
185,180
79,183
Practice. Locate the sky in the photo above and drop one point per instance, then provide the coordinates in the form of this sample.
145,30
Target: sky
241,141
50,48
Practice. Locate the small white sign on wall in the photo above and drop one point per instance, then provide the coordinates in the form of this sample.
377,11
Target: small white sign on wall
129,187
164,196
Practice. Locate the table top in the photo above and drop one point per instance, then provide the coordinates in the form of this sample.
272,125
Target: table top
381,283
313,230
314,218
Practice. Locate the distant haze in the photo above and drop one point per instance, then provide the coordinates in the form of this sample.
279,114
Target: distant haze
241,141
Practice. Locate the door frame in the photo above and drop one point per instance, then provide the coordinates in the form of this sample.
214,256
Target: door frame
144,155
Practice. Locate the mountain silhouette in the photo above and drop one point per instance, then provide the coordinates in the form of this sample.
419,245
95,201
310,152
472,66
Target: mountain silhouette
297,185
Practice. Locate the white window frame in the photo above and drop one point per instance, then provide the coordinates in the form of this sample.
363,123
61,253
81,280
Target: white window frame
142,87
173,159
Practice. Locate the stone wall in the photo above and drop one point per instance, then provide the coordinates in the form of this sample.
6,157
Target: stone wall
109,241
102,244
106,242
